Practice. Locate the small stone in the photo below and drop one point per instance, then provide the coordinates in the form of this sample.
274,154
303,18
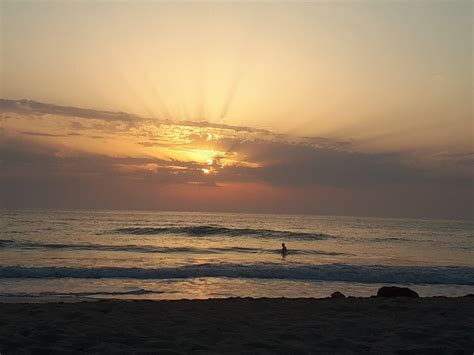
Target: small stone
394,291
338,294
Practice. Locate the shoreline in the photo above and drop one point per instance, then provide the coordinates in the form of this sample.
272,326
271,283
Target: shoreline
242,325
26,300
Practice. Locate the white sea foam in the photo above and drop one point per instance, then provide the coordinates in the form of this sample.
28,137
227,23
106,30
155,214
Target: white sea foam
331,272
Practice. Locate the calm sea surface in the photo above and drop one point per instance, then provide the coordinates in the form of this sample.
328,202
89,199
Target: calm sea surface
75,255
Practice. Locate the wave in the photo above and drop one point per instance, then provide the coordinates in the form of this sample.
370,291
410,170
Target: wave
208,230
399,239
394,239
8,243
138,292
327,272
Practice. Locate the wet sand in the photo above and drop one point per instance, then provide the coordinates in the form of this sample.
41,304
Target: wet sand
285,326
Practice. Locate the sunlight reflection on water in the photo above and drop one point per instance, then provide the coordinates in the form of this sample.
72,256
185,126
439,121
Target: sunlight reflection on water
182,242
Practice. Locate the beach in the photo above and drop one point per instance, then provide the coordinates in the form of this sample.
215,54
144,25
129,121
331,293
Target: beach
242,325
236,177
214,283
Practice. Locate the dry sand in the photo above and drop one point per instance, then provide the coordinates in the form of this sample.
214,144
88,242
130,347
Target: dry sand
286,326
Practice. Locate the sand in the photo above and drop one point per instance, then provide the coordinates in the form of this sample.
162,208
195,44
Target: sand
285,326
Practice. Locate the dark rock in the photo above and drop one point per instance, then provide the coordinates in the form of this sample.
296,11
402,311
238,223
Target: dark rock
394,291
338,294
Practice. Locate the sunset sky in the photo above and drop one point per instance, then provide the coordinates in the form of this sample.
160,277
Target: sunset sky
328,107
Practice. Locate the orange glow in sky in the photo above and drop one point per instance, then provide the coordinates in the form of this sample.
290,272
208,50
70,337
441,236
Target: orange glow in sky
238,101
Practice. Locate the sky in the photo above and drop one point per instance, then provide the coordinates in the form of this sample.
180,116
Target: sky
325,107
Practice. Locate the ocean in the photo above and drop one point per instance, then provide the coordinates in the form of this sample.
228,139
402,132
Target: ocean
80,255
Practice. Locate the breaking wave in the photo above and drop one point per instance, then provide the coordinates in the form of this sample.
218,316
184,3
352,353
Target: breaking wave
208,230
327,272
28,245
137,292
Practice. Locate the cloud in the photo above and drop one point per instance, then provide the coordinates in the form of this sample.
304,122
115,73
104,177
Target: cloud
159,154
32,160
299,164
30,107
464,159
41,134
34,107
259,160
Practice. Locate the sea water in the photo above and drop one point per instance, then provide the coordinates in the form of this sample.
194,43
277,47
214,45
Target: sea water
76,255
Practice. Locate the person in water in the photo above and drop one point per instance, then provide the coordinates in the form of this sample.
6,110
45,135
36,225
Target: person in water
284,250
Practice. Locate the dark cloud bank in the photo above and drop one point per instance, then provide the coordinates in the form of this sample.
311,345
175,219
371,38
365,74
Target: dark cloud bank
311,175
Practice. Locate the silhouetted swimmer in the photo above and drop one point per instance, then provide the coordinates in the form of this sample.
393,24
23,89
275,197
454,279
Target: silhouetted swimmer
284,250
